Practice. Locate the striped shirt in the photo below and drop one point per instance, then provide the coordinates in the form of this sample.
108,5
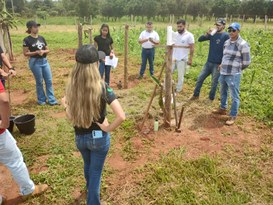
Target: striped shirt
236,57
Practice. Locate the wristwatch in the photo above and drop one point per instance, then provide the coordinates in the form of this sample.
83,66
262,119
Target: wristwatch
12,68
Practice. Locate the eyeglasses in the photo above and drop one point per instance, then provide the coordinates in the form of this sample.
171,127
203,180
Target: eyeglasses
232,30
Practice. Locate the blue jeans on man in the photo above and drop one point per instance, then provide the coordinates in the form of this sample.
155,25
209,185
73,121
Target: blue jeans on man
105,69
94,152
232,83
42,72
208,69
147,55
12,158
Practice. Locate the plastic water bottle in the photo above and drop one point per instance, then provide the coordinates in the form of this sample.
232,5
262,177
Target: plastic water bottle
188,69
213,32
156,124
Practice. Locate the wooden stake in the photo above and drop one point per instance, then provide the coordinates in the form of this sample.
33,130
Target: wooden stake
90,35
174,106
91,20
9,92
265,22
168,89
180,118
126,56
79,34
152,98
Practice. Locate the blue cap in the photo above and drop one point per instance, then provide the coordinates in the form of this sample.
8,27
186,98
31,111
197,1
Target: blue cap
236,26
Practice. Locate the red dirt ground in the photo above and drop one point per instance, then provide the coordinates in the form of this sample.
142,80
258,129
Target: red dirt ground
211,141
202,133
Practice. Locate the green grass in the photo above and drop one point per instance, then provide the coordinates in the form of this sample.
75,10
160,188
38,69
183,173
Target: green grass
230,179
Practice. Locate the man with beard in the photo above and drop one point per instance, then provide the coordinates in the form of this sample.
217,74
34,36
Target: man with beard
185,40
236,58
211,67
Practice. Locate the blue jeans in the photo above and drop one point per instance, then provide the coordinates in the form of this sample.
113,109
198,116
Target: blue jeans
209,68
93,152
231,82
147,54
105,69
12,158
41,71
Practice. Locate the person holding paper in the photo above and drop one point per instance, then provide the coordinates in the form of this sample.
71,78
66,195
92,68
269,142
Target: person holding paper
104,42
185,42
148,39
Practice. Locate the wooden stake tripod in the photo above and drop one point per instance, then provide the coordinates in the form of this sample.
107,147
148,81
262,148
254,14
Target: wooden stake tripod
168,91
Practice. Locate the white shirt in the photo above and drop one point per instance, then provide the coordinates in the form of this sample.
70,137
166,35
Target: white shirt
145,34
184,39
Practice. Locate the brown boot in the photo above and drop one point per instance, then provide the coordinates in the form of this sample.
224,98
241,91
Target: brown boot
39,189
231,121
220,111
192,98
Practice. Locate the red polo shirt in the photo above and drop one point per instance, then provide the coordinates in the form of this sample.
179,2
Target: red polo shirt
2,89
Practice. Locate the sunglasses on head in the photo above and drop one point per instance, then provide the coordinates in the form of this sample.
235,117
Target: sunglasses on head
231,30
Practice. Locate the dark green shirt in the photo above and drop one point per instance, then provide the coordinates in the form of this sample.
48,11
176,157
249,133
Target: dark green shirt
104,44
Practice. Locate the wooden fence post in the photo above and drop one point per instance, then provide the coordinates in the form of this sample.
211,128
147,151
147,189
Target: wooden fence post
79,34
126,56
168,87
91,20
265,22
90,35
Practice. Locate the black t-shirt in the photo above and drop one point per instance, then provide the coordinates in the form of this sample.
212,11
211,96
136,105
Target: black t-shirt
104,44
108,96
35,44
1,51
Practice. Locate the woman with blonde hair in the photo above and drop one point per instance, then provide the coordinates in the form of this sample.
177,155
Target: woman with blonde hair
85,103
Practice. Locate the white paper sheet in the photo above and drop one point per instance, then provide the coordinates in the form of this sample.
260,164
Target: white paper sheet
112,62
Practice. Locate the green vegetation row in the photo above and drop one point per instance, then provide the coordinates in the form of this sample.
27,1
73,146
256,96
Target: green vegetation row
142,8
256,87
